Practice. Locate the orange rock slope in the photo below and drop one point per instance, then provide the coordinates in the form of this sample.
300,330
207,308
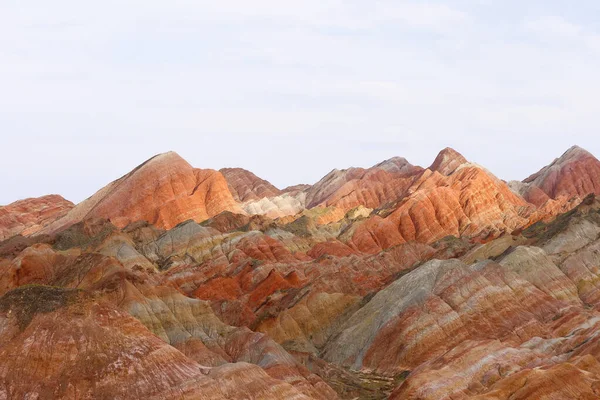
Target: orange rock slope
104,353
452,197
29,216
98,291
245,186
373,187
163,191
575,174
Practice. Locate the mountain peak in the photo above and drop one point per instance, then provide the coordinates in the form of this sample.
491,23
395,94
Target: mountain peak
163,161
575,152
447,161
245,185
168,157
164,191
575,173
170,153
395,165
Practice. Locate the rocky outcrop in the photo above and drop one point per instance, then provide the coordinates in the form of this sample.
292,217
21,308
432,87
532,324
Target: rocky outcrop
468,202
246,186
163,191
447,161
461,328
575,174
346,189
29,216
283,205
116,274
105,353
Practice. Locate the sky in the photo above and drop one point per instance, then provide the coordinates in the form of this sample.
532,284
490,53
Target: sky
289,89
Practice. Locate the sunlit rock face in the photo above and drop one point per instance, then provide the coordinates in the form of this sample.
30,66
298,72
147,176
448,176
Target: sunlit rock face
29,216
246,186
448,161
393,281
372,187
103,352
575,174
123,284
163,191
455,198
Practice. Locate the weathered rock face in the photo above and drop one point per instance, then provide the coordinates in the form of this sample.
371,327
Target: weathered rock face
447,161
246,186
373,187
534,343
339,192
469,201
575,174
27,217
578,380
388,282
163,191
286,204
420,316
105,353
115,272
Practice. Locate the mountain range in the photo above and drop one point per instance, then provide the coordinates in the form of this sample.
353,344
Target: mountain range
394,281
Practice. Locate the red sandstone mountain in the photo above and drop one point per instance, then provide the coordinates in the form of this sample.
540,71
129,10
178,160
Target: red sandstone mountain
388,282
452,197
447,161
575,174
372,187
163,191
245,186
29,216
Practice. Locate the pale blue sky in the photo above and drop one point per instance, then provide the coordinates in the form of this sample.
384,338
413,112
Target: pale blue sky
289,90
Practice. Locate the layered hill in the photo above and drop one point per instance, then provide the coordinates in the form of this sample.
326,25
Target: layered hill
451,197
393,281
372,187
29,216
246,186
402,202
575,174
163,191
